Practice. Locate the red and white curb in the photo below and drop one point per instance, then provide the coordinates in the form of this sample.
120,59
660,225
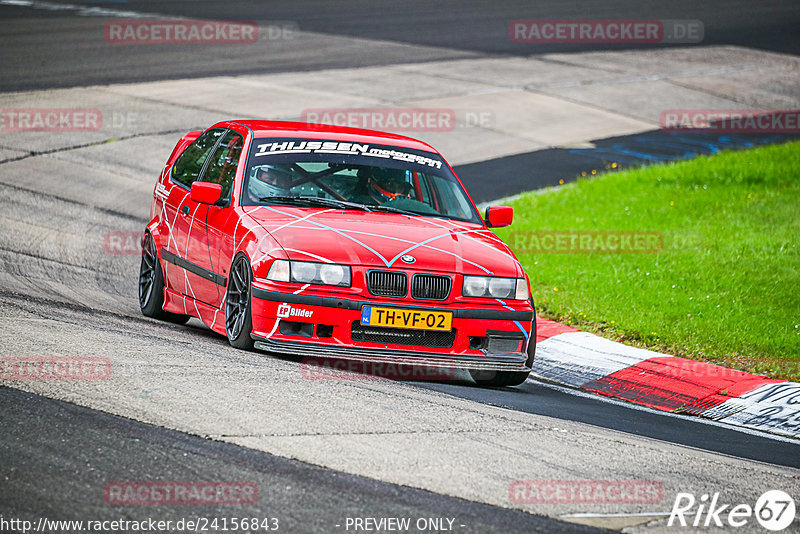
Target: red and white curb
592,363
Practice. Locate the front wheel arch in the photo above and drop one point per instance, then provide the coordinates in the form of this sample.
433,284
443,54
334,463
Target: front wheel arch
238,303
499,379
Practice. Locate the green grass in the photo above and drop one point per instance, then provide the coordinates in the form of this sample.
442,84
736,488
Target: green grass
725,288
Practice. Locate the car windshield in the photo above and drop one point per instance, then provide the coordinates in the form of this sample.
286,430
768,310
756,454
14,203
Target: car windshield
353,176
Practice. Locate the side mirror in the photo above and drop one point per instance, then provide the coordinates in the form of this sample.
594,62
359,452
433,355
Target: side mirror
205,192
499,216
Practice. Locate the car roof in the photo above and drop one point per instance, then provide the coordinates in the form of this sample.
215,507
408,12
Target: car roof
265,129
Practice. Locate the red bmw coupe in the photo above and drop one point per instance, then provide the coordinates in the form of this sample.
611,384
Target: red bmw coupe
335,242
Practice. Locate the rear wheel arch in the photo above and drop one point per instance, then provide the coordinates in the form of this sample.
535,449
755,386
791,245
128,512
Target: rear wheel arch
151,283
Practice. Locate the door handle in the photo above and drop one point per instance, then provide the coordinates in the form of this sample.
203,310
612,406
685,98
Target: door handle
185,210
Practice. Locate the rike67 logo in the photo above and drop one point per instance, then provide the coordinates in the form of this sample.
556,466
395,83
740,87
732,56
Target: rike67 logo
774,510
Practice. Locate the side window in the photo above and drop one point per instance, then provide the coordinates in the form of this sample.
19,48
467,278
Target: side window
223,163
189,164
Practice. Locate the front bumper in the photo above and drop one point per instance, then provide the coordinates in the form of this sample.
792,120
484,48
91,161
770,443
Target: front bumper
490,339
491,362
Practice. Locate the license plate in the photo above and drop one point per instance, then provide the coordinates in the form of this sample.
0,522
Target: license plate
398,318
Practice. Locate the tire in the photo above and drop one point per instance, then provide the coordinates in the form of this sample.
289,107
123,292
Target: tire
499,379
238,309
151,285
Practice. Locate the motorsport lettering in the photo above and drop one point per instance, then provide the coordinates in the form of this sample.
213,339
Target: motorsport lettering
336,147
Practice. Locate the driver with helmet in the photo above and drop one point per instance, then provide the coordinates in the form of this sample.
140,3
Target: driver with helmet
269,181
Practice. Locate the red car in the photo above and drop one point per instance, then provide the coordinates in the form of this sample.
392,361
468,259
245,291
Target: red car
338,243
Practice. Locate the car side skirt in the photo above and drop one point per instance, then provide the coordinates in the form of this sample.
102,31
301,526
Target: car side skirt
174,259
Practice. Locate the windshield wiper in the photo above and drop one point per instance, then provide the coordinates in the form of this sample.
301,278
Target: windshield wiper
332,203
393,210
315,201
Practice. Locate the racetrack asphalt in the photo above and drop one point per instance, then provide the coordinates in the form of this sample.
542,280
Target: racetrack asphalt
555,166
437,449
96,448
48,47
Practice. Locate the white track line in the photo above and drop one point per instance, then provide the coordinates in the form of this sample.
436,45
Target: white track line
637,514
690,418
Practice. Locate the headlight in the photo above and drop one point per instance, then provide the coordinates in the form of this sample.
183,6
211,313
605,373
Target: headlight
494,287
475,286
522,290
279,271
303,272
502,288
333,275
306,272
